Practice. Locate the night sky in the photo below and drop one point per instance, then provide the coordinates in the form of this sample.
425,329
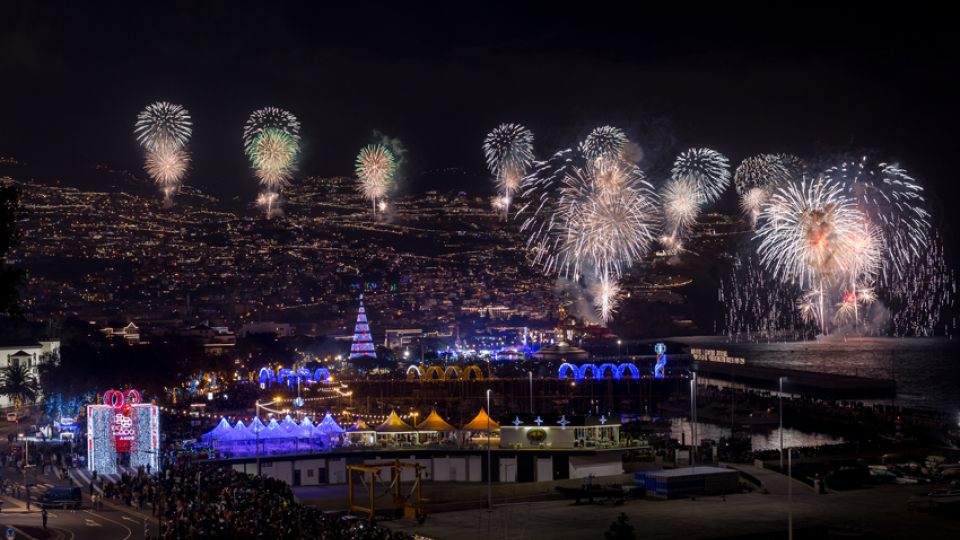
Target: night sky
810,81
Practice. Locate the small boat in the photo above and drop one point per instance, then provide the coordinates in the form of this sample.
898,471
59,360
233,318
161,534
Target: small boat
939,497
849,531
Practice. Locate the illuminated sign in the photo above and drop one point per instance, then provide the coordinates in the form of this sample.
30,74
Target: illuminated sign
707,355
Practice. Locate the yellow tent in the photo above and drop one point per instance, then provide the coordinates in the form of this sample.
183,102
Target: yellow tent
435,423
359,426
480,423
394,425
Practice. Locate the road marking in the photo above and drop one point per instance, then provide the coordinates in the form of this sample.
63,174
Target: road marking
129,532
128,519
92,523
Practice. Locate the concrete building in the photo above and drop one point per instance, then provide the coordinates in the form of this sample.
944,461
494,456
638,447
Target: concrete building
30,353
441,465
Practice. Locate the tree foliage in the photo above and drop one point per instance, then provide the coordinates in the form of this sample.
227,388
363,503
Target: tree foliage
18,383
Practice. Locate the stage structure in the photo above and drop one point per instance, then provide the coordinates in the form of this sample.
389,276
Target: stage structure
122,426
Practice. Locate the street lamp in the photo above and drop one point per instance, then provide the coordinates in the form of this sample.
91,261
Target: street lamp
618,349
489,469
781,423
257,429
693,419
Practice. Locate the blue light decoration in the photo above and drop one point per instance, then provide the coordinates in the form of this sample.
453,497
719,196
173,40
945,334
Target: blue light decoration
321,374
267,377
633,370
661,351
613,369
285,376
597,374
569,367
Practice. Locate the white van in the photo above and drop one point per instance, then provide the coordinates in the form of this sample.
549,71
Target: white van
12,416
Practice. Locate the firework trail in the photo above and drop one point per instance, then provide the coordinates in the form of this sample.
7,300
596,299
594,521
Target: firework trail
509,152
681,204
606,296
163,129
163,126
266,200
375,168
605,142
708,169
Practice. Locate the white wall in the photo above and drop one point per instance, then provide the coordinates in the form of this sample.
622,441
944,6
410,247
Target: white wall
601,464
508,469
544,469
474,469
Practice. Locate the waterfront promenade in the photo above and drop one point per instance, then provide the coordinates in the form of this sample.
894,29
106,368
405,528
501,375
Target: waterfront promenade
882,508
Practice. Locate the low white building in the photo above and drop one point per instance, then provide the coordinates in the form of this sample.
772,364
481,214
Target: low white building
30,353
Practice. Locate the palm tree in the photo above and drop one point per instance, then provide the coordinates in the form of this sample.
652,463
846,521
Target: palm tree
18,384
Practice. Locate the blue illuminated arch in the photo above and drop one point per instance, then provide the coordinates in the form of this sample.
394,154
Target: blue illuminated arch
568,367
596,372
321,374
613,370
267,376
304,376
285,376
633,370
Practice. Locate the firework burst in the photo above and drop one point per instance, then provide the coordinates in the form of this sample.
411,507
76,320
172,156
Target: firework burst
810,235
708,169
375,168
509,152
756,179
270,118
603,143
681,204
163,126
274,155
167,167
892,201
608,225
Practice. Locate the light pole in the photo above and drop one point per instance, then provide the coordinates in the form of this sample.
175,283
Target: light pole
693,420
489,469
781,423
530,374
257,429
618,350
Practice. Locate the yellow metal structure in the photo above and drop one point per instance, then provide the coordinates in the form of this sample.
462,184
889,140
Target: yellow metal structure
403,508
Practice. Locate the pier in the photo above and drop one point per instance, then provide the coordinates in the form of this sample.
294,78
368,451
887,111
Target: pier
810,382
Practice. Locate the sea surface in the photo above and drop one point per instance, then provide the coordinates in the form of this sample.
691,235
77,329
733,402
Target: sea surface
927,370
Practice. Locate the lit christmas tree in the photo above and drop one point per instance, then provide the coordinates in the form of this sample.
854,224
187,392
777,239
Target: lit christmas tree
362,342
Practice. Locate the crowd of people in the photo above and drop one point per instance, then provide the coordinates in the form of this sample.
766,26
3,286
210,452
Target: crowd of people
202,501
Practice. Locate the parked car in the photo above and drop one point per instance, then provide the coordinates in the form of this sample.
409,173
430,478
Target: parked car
65,496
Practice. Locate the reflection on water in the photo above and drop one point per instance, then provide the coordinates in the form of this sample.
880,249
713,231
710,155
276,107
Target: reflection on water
763,437
926,369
